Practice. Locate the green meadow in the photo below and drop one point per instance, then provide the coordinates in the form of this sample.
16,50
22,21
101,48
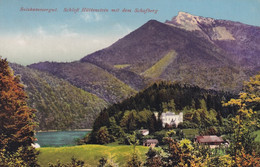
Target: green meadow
91,154
191,132
157,69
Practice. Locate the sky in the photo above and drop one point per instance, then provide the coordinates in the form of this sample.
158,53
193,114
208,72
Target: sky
64,33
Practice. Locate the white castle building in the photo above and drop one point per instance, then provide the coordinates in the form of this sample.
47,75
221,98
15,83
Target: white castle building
170,118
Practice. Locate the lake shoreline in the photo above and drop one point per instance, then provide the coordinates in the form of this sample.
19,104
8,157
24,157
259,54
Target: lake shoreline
63,130
60,138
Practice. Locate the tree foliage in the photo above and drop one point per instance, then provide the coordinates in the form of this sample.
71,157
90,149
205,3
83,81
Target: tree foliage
16,118
248,104
134,159
154,158
103,136
60,105
201,108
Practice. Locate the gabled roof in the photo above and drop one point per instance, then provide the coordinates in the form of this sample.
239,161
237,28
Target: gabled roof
151,141
209,139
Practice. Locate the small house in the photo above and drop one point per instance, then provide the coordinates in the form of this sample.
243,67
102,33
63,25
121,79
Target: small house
213,141
150,142
144,132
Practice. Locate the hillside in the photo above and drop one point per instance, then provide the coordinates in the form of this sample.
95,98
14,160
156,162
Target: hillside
89,77
240,41
60,105
209,53
138,111
219,55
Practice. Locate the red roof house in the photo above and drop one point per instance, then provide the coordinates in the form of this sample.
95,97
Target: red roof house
213,140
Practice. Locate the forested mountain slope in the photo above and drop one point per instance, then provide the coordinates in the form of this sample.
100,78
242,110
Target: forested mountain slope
60,105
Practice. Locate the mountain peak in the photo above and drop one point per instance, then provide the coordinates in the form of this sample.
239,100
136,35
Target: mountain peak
181,14
234,37
189,22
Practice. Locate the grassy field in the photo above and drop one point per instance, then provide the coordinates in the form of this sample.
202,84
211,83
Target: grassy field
157,69
88,153
91,154
190,133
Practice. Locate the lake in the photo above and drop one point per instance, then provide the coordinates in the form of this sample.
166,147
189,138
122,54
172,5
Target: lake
59,138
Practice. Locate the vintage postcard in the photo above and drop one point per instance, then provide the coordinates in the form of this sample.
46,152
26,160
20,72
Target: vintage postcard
129,83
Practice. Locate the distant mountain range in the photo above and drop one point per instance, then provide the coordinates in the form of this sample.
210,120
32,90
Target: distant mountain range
209,53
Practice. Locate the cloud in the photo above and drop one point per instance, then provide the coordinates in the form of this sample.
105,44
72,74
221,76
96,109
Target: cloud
65,31
42,45
61,30
40,31
91,17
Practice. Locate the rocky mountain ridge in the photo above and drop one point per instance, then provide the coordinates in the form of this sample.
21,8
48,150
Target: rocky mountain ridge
241,41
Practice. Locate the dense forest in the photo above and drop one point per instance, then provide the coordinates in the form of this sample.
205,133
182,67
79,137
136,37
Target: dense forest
202,109
60,105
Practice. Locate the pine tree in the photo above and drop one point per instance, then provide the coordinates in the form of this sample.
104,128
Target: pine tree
16,118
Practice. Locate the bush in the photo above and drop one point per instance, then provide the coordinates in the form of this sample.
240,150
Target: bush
103,136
